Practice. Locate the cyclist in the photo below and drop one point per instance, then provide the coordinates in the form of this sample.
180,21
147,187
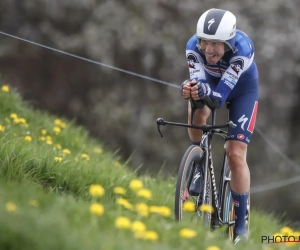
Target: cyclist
221,65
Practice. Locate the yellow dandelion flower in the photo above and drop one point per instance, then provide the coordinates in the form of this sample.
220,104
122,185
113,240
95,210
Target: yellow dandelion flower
136,184
28,138
154,209
142,209
48,138
138,226
125,203
2,128
49,142
187,233
42,138
43,131
58,146
119,190
122,223
66,151
165,211
34,203
22,120
97,209
189,206
62,125
117,164
57,159
10,207
206,208
25,125
286,231
56,130
98,150
13,116
85,157
5,88
151,235
57,122
213,248
16,120
144,193
96,190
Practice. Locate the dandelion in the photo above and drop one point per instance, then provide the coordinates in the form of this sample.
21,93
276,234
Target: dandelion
56,130
13,116
97,209
162,210
117,164
10,207
42,138
66,151
135,184
189,206
187,233
28,138
122,223
48,138
206,208
96,190
213,248
125,203
144,193
5,88
22,120
16,120
49,142
2,128
62,125
58,146
151,235
286,231
57,122
97,150
43,131
57,159
119,190
142,209
138,226
34,203
85,157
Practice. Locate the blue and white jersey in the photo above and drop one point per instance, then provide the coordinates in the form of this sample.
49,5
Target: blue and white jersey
229,72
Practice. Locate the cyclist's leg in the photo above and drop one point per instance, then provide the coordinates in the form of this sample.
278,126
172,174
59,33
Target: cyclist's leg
243,109
200,116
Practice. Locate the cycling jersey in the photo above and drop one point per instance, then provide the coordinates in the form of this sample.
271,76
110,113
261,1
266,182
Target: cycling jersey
234,79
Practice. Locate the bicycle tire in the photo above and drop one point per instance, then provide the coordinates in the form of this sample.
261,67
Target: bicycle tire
228,213
192,155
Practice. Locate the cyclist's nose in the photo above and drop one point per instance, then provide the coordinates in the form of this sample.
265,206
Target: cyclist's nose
209,49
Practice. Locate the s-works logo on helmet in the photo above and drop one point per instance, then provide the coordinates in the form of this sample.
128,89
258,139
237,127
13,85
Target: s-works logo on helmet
210,22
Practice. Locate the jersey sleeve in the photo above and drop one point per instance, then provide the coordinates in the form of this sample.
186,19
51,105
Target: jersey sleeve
238,65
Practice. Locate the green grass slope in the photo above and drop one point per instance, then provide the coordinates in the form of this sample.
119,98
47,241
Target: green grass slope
58,191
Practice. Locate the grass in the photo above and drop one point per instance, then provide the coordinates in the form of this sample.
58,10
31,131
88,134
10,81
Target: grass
47,168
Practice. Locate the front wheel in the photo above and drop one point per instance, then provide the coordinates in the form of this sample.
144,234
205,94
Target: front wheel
193,155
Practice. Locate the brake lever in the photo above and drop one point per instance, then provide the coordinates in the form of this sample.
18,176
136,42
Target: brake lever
159,122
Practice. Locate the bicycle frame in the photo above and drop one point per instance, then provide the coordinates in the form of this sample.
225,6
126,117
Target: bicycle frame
208,132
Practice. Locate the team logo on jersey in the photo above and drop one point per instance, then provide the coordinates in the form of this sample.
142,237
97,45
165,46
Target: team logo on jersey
192,59
237,65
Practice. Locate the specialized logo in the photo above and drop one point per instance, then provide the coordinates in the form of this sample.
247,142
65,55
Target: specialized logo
196,177
243,119
192,59
237,65
210,22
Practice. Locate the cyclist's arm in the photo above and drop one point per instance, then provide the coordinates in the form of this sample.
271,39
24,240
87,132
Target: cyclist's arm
195,64
238,65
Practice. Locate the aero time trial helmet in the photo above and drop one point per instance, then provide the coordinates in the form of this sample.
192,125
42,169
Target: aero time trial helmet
218,25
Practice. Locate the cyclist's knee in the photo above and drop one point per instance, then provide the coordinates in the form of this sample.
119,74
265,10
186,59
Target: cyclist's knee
236,153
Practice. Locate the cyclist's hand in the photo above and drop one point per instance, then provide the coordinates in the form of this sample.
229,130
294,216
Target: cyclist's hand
200,90
186,88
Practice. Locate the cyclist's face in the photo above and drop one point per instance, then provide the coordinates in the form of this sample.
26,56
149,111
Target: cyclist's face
212,50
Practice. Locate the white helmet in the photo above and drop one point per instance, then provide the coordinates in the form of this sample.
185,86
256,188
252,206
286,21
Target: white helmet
218,25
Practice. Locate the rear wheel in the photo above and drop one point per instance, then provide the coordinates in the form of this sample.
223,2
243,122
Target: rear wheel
193,156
